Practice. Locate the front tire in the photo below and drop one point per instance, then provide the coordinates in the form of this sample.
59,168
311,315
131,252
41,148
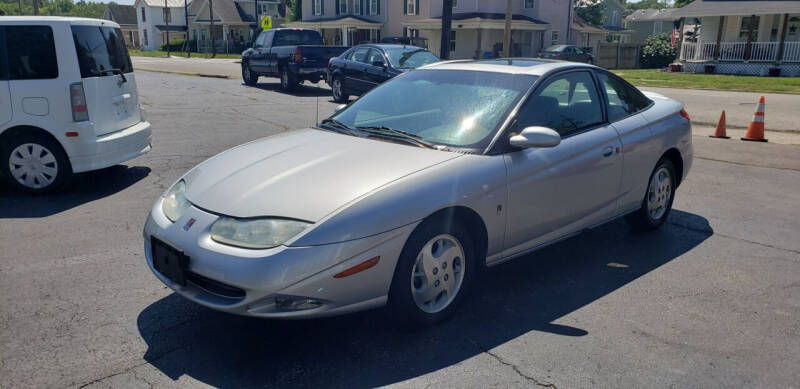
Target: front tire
288,80
34,163
248,76
434,272
657,202
337,88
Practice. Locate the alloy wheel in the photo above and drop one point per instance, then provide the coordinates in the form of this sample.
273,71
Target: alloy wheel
33,165
659,193
438,273
337,89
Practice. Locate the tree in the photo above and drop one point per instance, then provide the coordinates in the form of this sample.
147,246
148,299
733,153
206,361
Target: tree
644,4
681,3
592,11
657,51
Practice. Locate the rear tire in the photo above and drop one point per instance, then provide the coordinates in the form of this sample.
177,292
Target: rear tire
337,88
434,272
657,202
248,76
288,80
34,163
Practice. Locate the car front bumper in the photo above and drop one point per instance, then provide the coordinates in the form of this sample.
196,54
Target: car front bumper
261,277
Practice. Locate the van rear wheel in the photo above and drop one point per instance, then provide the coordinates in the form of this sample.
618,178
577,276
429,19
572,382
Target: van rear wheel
34,163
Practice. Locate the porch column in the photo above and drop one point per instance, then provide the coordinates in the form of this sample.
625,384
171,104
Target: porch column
225,31
344,36
479,48
782,39
749,45
679,43
719,39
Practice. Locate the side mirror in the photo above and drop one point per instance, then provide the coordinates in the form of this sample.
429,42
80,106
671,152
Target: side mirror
339,108
379,63
536,137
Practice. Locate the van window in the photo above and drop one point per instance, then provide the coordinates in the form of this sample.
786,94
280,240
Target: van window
3,74
99,50
31,53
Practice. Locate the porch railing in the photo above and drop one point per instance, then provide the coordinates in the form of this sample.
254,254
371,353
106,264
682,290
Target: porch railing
737,51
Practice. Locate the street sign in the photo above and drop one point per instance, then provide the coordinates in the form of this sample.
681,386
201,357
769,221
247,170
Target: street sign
266,22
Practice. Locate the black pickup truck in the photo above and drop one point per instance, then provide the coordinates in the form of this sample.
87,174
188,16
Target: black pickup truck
293,54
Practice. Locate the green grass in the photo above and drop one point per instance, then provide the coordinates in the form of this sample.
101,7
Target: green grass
163,54
657,78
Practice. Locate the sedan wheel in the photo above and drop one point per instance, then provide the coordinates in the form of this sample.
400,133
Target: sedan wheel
433,273
657,200
338,91
35,164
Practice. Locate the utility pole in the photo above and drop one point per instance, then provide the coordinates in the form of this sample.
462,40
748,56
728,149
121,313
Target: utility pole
255,24
167,17
447,21
35,7
507,35
211,18
20,7
186,20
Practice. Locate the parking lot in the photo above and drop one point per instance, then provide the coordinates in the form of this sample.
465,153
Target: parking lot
711,300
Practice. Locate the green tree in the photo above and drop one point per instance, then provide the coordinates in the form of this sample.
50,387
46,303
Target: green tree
681,3
657,52
592,11
645,4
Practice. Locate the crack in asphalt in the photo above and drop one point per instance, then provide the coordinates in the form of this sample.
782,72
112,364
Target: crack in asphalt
748,164
131,369
500,359
712,232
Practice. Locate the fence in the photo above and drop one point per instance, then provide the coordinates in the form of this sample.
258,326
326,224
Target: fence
617,55
737,51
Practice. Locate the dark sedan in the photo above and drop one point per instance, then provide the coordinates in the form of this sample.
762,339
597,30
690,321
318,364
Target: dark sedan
364,67
567,53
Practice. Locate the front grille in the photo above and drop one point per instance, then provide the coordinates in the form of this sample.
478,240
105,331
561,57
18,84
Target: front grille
215,287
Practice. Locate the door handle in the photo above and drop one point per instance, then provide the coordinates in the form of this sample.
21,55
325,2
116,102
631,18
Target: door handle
608,151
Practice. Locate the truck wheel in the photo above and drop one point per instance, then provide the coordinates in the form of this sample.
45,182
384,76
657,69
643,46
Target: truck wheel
34,163
248,76
288,80
337,87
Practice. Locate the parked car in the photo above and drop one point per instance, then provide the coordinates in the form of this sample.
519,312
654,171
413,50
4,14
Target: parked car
364,67
293,54
404,195
68,100
567,53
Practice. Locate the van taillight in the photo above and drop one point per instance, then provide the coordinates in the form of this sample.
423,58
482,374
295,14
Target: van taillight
80,113
298,55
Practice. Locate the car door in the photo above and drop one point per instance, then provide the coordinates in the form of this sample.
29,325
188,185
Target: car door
355,69
258,58
5,93
556,191
272,41
626,108
375,75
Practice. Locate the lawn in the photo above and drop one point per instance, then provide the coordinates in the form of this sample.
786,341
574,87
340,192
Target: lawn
140,53
657,78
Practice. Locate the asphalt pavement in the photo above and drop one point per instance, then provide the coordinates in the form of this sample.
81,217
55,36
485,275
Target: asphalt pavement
710,300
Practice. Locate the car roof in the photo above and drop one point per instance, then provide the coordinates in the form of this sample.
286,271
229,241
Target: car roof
532,66
56,19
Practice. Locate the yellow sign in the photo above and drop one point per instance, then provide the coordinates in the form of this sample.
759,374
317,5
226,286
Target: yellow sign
266,22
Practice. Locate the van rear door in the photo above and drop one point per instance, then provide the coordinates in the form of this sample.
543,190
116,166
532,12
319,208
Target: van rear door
108,80
5,93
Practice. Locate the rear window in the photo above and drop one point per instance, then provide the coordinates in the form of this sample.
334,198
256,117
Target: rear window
31,53
297,38
100,49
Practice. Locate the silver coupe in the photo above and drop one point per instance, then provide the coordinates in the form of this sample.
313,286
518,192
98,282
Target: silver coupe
404,195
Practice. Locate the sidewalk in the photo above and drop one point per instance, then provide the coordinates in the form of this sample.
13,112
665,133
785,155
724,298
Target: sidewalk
205,67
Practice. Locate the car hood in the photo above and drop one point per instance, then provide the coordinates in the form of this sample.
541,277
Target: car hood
305,174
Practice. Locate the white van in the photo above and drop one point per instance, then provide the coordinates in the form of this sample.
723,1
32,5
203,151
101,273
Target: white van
68,100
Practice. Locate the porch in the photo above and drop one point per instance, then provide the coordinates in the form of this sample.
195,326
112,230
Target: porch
227,38
346,30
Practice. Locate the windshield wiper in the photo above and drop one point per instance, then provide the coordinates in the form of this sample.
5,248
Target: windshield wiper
398,134
113,71
337,125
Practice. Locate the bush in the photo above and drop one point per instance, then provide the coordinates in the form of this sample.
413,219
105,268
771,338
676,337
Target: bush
657,52
176,45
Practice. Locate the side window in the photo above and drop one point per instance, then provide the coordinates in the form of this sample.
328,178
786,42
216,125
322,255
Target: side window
359,55
261,39
623,99
31,53
567,103
374,55
3,73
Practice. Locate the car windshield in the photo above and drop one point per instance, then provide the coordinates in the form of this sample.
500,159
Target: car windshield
556,48
410,57
100,50
456,108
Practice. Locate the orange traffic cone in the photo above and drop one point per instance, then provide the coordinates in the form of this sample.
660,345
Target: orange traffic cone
755,131
720,132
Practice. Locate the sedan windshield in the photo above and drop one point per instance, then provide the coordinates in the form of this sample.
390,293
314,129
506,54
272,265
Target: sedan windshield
456,108
410,57
556,48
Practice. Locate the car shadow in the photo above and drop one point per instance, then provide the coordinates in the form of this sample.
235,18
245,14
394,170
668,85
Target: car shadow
302,90
82,188
367,349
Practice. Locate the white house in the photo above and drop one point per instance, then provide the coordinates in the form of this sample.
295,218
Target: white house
743,37
153,16
233,22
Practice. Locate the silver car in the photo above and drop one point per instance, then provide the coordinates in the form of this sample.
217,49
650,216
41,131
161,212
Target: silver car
404,195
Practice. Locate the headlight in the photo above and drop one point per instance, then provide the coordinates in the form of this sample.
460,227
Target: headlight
175,202
256,233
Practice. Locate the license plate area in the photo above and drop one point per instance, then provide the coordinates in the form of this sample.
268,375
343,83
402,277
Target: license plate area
169,261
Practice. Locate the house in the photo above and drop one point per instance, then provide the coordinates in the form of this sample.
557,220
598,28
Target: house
157,18
743,37
612,29
477,26
234,22
647,22
125,16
